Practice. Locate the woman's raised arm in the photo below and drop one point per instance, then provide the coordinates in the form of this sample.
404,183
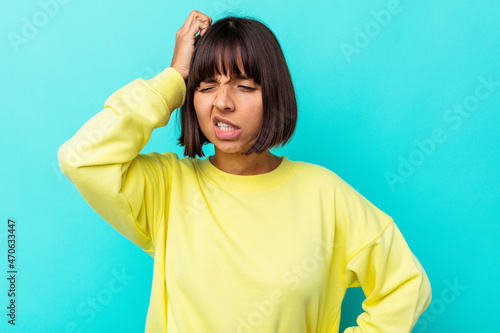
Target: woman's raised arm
103,158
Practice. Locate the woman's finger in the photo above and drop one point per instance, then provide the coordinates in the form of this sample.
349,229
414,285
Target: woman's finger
193,19
198,25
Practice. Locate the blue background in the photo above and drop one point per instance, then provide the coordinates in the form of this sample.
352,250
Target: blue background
371,94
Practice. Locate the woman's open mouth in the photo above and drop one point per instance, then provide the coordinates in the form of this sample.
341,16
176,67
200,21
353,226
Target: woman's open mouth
226,131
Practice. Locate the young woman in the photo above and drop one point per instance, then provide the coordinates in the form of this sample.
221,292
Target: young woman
242,241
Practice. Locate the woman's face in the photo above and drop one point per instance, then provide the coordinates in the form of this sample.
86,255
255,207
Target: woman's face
229,111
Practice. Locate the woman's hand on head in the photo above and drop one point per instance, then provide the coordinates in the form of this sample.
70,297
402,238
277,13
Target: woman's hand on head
185,40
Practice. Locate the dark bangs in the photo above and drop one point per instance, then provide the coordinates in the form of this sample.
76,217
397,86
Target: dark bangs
223,52
227,47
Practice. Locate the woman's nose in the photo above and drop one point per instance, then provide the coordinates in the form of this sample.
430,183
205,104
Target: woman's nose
223,100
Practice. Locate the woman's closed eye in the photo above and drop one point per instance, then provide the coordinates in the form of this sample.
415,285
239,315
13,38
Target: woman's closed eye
246,88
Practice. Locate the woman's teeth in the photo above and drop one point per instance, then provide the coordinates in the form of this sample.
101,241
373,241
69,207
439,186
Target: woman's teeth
225,127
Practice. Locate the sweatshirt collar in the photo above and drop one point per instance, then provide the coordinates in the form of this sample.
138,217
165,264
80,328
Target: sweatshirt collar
246,183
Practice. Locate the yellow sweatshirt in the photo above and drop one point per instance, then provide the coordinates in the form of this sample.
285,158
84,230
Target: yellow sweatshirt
273,252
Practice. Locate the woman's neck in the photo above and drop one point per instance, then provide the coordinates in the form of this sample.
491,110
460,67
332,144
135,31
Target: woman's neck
253,164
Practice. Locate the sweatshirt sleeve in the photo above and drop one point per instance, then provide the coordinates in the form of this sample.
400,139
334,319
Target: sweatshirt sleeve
103,158
377,258
396,286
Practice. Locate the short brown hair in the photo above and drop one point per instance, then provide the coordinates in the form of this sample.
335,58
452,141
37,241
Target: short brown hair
226,42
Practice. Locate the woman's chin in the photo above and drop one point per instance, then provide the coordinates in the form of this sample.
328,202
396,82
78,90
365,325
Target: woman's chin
228,150
231,147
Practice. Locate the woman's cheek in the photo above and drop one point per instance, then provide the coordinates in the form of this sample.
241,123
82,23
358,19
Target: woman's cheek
202,109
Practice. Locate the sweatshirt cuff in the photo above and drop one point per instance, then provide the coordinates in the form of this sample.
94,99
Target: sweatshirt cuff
171,86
